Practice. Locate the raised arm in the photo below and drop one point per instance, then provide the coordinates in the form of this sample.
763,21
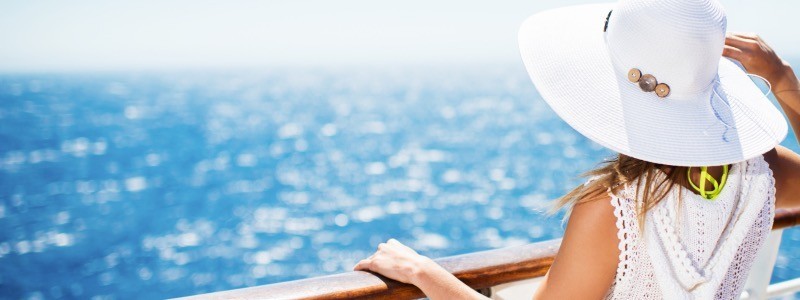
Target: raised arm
758,58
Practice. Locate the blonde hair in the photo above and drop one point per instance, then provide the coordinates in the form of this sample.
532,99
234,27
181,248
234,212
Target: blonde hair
612,175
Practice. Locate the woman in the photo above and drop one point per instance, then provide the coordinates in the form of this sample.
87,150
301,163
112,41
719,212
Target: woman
682,210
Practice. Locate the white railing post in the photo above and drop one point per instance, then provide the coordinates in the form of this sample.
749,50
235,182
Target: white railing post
523,289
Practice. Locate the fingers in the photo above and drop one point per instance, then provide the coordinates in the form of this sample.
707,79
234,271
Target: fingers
747,35
733,52
740,42
384,248
363,265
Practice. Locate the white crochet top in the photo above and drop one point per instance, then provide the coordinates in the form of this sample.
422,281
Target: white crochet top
699,250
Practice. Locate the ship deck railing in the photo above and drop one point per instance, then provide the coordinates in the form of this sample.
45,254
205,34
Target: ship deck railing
506,273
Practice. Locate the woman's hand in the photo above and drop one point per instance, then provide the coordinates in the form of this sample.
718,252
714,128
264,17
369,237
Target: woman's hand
401,263
758,58
396,261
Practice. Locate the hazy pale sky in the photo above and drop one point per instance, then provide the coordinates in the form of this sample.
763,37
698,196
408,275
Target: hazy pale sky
52,35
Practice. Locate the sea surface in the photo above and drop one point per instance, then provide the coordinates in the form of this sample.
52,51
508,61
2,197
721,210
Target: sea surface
150,185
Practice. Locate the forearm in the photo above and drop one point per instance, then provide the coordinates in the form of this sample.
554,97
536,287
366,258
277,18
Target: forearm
787,92
437,284
793,115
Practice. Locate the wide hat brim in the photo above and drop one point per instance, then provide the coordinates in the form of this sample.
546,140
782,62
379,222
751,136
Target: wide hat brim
566,56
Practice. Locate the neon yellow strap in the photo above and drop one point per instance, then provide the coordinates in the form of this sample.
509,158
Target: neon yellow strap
704,176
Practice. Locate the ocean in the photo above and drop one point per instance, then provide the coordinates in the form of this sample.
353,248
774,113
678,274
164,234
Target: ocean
162,184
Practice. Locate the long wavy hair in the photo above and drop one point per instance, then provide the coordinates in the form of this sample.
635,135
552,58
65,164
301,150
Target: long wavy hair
612,175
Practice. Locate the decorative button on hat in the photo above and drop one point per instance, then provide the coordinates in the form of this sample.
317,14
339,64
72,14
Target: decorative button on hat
699,97
634,75
648,83
662,90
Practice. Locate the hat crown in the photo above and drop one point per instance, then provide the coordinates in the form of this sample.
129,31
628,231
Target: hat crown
679,42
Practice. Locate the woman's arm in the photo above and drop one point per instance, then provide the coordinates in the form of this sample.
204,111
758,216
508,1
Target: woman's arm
758,58
401,263
584,267
587,260
437,283
785,165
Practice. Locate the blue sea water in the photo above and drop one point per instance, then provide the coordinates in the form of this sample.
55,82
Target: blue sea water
154,185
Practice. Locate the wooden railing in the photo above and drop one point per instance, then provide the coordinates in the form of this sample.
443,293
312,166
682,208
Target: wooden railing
479,270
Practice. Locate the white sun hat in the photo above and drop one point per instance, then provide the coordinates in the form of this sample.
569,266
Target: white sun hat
601,78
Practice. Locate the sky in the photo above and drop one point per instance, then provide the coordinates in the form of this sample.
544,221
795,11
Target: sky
51,35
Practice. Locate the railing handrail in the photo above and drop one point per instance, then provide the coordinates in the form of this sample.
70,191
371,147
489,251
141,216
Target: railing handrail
477,269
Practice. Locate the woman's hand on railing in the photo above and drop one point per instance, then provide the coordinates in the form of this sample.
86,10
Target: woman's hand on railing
399,262
396,261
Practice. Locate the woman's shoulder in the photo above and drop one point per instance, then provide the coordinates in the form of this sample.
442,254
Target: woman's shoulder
595,210
592,223
587,260
596,203
785,166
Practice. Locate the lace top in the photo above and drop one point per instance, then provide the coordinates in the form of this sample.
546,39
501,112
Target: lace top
699,249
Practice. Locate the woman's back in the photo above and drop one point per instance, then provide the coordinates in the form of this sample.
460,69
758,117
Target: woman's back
693,248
